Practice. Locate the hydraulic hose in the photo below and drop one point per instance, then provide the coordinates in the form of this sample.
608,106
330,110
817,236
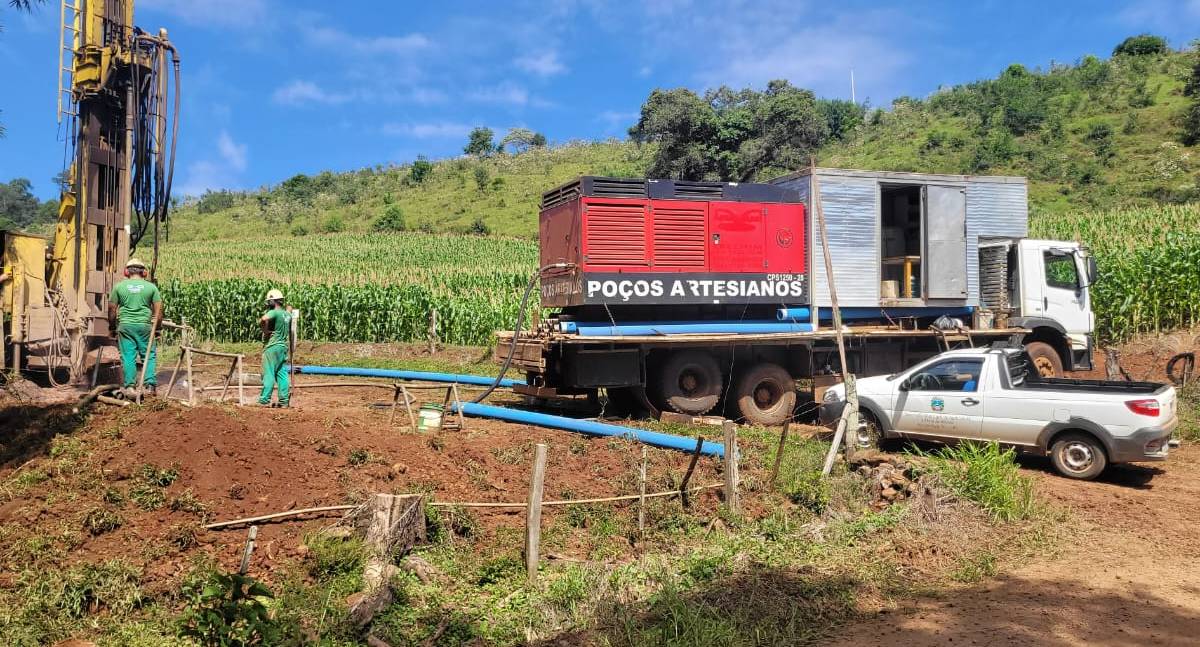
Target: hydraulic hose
512,348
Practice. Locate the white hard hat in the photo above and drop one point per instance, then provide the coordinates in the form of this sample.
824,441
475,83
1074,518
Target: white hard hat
274,295
135,262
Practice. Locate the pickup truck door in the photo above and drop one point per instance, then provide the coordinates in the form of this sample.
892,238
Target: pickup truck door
943,399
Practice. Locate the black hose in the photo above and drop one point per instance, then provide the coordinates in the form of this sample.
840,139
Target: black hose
512,348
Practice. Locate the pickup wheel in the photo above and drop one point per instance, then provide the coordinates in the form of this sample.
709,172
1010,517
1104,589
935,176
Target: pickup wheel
1045,358
689,382
1078,456
869,434
765,394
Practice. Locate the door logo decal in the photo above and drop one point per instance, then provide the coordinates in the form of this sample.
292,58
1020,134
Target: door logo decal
937,404
784,237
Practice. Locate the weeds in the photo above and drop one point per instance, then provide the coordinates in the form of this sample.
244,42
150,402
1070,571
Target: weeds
101,520
152,475
975,568
147,496
229,610
331,557
188,502
1189,411
358,457
988,475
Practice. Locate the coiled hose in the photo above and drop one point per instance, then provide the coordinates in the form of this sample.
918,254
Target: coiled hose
512,348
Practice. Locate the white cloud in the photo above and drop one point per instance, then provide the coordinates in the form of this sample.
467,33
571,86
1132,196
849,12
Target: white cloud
222,173
429,130
246,14
615,119
337,40
507,93
306,92
1164,15
542,64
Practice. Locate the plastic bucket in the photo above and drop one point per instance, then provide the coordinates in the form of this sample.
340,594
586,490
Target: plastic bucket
429,417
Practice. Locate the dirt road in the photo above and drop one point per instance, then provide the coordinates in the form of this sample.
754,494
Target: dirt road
1130,576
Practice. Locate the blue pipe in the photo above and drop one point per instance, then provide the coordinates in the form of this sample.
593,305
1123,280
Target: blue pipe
478,380
652,438
790,313
650,328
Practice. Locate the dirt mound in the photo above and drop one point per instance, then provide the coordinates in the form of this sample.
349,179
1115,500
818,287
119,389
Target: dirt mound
333,449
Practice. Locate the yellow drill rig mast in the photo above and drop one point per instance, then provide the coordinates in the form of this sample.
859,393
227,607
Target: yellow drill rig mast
119,102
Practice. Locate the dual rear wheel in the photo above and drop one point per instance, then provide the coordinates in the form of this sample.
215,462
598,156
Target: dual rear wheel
691,382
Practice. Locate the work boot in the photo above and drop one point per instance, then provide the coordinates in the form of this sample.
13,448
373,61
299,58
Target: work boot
151,390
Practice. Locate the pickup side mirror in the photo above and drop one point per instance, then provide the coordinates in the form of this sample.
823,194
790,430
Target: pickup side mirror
904,386
1093,270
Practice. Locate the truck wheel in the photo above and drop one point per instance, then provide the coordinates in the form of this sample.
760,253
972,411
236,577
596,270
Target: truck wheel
1078,456
765,395
1045,358
870,433
689,382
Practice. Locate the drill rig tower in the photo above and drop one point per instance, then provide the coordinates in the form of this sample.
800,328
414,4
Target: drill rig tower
118,106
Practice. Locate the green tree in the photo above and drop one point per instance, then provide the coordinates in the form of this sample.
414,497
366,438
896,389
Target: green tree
480,142
519,140
538,141
480,228
1142,45
730,134
841,116
481,177
421,169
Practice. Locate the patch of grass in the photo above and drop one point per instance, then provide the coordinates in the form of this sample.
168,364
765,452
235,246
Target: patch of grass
331,557
974,568
1189,412
101,520
515,455
18,484
161,477
988,475
183,537
809,490
569,588
147,496
499,569
358,457
47,605
187,501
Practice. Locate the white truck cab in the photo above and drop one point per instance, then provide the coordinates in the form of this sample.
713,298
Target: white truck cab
1044,286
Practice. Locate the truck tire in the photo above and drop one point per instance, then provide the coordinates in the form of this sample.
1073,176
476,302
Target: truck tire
1078,456
1045,359
689,382
765,394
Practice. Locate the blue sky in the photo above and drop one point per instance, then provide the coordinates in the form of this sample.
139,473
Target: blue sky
275,87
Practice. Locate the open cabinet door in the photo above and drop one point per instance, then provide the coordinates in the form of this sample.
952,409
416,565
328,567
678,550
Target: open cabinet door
945,242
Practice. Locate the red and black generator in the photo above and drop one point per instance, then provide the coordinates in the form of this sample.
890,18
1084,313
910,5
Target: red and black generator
629,247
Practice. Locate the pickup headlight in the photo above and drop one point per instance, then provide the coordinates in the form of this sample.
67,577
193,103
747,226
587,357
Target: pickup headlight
832,394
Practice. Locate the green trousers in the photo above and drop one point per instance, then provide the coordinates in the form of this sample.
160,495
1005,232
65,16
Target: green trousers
274,373
132,340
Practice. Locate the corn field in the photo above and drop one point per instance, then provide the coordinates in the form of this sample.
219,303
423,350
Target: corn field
352,287
1149,262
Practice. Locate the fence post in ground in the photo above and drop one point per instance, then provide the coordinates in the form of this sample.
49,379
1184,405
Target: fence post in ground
642,494
779,452
241,371
191,383
251,536
731,468
533,515
683,485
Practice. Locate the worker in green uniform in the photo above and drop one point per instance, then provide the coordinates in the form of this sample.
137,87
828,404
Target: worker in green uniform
133,307
276,330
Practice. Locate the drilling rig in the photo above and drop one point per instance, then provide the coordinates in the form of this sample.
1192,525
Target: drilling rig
118,109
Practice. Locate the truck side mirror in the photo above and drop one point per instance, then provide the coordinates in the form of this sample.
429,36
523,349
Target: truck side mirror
1093,270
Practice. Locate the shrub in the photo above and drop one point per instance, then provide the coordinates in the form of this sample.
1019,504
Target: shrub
330,557
421,169
229,610
810,491
481,177
392,219
987,475
333,224
480,228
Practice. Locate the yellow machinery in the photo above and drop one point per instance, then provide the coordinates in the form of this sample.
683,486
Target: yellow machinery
119,99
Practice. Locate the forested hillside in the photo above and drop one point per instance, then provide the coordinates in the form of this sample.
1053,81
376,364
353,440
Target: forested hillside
1095,134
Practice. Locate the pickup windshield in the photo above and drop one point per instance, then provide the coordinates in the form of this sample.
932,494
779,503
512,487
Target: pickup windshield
1023,375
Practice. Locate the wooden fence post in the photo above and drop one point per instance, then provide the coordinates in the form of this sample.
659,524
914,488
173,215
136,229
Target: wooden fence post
642,494
433,326
779,452
731,467
251,536
683,485
533,515
191,383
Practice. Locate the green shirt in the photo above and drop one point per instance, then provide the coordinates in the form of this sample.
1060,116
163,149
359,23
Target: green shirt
280,325
135,299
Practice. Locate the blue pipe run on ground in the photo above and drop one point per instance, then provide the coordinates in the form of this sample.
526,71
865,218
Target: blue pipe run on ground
477,380
652,438
803,313
651,328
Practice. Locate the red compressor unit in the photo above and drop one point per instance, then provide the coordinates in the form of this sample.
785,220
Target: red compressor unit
628,245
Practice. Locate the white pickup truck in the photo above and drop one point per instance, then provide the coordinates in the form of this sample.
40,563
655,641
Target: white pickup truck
995,395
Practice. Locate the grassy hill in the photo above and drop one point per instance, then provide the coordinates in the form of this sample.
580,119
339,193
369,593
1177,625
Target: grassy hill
1100,134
